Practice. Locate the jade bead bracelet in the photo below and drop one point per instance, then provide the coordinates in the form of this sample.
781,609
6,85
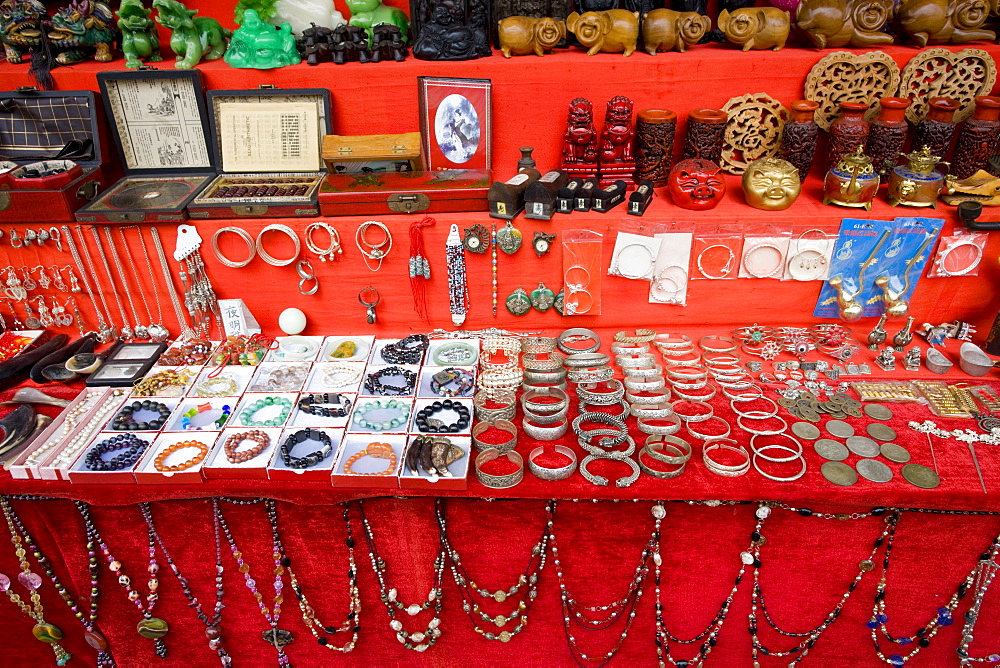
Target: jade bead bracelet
390,405
246,416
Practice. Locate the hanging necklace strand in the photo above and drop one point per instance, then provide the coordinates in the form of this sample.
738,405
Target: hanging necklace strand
87,618
104,334
186,332
92,268
139,288
126,328
212,624
420,641
157,330
140,331
984,572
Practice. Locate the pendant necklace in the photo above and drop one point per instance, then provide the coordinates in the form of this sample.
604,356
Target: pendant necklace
352,623
273,636
151,628
983,575
157,331
43,631
140,330
420,641
493,251
612,612
87,618
105,326
807,638
138,283
212,624
187,333
126,330
468,588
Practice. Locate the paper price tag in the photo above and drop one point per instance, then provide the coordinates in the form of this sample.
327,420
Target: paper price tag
237,320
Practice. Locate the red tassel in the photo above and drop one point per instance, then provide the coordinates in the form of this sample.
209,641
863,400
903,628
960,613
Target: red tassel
419,267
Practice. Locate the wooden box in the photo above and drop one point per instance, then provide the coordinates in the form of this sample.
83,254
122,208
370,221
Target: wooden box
363,154
37,126
404,192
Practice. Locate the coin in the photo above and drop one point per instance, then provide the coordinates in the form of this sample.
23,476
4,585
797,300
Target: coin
839,428
878,412
895,453
835,451
881,432
874,470
805,430
839,473
863,446
921,476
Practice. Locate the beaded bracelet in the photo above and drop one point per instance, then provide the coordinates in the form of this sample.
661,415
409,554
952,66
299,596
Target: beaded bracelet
427,423
313,458
125,420
341,375
131,444
409,350
392,405
220,386
463,381
233,442
377,451
159,463
156,385
204,408
246,417
324,405
374,385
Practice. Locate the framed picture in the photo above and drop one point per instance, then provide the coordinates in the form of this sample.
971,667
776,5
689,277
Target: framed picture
456,123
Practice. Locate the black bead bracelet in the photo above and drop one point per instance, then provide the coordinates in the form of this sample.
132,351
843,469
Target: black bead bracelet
373,383
125,420
130,445
406,351
313,458
427,423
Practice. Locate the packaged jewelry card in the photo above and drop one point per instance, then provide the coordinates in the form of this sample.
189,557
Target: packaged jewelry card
323,409
447,382
305,454
907,253
242,452
336,377
715,251
859,249
764,251
634,256
110,457
809,255
670,273
582,264
346,348
176,458
436,462
201,414
959,254
369,461
230,381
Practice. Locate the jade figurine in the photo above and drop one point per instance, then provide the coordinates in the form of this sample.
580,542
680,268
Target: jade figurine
369,13
139,38
192,38
262,46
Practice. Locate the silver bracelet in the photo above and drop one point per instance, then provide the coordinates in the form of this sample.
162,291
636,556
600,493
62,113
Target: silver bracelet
796,451
499,481
505,412
585,360
553,362
635,361
709,437
725,469
529,403
763,432
645,385
662,475
653,397
284,229
621,417
755,415
696,397
552,474
545,432
697,417
652,371
547,418
575,335
553,376
622,348
621,431
791,478
724,344
538,345
598,375
586,393
660,429
658,410
561,385
601,481
657,442
673,341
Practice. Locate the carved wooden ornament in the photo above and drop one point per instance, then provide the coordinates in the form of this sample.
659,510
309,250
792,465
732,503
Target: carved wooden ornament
938,72
753,130
846,77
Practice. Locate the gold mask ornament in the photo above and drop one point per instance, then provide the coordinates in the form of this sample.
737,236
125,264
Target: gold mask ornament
771,184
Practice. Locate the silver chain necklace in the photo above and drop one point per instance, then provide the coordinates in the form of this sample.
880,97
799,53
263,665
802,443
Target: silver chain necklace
140,331
126,330
105,327
186,331
157,331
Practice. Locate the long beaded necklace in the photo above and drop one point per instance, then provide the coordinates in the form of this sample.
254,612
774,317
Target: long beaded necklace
807,638
922,638
212,624
150,627
273,636
468,588
43,631
984,573
319,630
420,641
87,618
624,606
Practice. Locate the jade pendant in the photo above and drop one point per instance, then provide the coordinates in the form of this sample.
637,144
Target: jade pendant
509,238
560,301
518,302
542,298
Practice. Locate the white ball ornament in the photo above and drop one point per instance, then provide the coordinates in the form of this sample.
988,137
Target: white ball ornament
292,321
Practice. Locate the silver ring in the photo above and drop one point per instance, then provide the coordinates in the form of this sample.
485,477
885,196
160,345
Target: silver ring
552,474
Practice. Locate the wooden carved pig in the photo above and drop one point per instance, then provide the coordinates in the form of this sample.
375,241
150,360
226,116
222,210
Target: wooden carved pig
756,27
613,31
667,30
522,35
835,23
944,21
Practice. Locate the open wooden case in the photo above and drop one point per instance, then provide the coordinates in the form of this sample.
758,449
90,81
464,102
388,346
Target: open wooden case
49,129
158,120
269,146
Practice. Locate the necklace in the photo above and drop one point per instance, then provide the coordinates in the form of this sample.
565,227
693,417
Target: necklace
373,252
212,630
126,328
138,281
319,630
420,641
273,636
468,588
42,630
493,260
152,628
157,331
983,575
200,297
581,615
458,285
186,332
105,326
140,330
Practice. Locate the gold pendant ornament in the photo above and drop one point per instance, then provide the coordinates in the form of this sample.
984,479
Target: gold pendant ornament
518,302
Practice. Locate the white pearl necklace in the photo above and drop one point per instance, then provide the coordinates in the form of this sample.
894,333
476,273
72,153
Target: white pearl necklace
69,453
68,424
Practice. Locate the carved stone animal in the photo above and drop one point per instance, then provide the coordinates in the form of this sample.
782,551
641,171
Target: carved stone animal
193,38
139,38
21,28
81,28
613,31
667,30
523,35
756,27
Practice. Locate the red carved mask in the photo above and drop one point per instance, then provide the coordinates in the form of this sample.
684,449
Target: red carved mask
696,184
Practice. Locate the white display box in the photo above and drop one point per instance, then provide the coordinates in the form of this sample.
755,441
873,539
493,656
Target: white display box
355,443
438,344
324,377
219,466
398,380
446,415
260,382
380,415
296,349
301,419
376,354
427,374
204,420
80,474
363,348
146,473
321,472
459,469
240,375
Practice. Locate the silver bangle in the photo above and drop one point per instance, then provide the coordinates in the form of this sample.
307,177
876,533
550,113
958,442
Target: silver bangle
658,410
725,344
652,397
656,442
645,385
715,360
652,371
619,437
622,348
538,345
601,481
662,475
502,425
585,360
765,432
681,357
698,417
284,229
792,478
499,481
742,394
552,474
529,403
553,362
242,234
575,335
547,418
545,432
796,451
527,387
726,470
505,412
673,341
755,415
660,429
710,437
635,361
598,375
587,394
696,397
693,385
553,376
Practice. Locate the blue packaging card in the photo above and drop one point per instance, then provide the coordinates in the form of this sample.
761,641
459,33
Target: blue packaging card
860,242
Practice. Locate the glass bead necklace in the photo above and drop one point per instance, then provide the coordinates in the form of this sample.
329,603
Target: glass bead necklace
468,588
42,630
273,636
983,576
624,606
151,628
88,619
320,630
212,624
807,638
420,641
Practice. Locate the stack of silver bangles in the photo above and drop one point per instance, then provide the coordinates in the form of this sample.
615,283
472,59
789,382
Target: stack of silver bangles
600,443
499,366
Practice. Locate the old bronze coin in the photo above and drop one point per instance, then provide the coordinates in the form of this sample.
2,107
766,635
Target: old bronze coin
840,429
921,476
863,446
839,473
835,451
878,412
874,470
895,453
805,430
881,432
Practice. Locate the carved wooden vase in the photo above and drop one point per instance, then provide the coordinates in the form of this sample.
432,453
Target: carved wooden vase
848,132
888,134
798,140
654,145
703,137
936,129
978,139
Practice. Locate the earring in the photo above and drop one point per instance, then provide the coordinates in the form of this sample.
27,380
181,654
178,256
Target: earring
542,298
57,279
518,302
28,282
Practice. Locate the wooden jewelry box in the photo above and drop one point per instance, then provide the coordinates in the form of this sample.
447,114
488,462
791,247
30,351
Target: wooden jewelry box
363,154
405,192
49,127
268,145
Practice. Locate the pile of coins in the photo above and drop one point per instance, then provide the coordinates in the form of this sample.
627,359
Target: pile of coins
808,406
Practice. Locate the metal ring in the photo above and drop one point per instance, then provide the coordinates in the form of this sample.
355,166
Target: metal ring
278,227
361,297
242,234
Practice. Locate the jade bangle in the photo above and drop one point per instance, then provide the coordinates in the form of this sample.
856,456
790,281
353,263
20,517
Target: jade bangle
452,354
246,416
